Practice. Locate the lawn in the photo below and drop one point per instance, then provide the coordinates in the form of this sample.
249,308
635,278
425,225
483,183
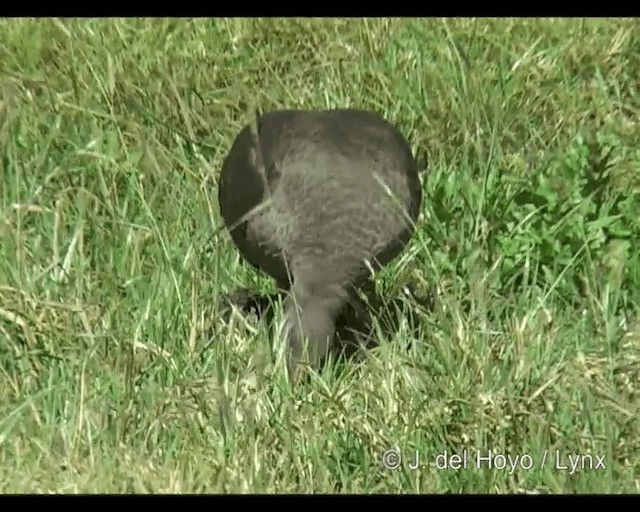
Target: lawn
120,370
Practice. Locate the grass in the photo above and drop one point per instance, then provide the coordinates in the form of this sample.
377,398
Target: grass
118,371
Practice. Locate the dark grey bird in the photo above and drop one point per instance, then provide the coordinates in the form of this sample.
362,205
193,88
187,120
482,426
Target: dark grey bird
318,200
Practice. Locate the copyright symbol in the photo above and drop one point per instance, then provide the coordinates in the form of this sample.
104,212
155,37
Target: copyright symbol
391,459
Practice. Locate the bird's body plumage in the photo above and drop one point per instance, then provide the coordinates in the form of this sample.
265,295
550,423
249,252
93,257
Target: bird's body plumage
342,195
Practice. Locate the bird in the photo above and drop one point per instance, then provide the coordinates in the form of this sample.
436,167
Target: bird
319,200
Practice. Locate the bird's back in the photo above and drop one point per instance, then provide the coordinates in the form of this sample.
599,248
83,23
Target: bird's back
344,188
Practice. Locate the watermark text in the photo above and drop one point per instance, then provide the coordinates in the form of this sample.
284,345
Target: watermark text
467,459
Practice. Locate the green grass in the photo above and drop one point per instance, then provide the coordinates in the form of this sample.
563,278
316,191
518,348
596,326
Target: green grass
118,372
